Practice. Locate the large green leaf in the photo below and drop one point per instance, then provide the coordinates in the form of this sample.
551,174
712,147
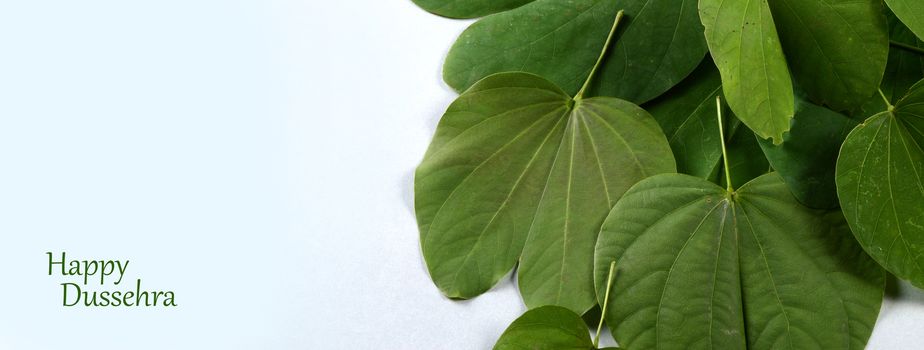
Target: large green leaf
743,41
546,328
911,12
702,268
560,41
468,8
837,48
516,157
880,182
808,154
687,116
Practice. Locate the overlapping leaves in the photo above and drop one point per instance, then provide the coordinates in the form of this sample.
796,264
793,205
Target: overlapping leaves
519,172
838,53
702,267
911,12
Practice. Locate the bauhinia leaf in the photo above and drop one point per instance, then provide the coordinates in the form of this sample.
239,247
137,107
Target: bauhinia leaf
743,41
880,182
701,267
468,8
806,159
837,48
516,157
559,40
546,328
911,12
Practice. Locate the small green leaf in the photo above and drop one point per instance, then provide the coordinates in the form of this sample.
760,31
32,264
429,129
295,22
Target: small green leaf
560,40
546,328
837,48
516,157
700,267
911,12
743,41
468,8
808,154
880,182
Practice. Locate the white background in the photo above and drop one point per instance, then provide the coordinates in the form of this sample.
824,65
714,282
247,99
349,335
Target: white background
256,157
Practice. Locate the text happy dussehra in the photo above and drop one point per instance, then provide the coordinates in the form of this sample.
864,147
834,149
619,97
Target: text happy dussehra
90,271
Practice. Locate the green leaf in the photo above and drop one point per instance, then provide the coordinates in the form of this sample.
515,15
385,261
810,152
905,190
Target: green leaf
837,48
516,157
687,116
806,159
743,41
468,8
700,267
881,186
546,328
560,40
911,12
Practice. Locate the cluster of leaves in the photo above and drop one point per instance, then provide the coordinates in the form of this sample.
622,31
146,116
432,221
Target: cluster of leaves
750,166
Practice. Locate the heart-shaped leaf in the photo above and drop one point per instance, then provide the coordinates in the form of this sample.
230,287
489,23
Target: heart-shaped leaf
704,267
911,12
837,48
808,154
880,182
516,157
559,40
468,8
743,41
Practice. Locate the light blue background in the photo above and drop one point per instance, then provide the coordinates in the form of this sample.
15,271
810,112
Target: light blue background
254,156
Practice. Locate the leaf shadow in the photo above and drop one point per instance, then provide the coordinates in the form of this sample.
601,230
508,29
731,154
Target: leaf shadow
407,191
897,289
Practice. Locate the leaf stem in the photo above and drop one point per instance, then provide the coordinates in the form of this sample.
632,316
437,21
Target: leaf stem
886,100
606,47
718,104
906,47
606,300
